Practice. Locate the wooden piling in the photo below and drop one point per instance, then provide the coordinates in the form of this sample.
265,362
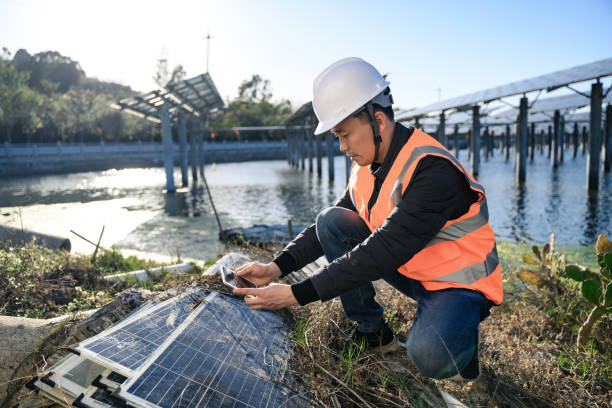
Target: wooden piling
168,148
594,150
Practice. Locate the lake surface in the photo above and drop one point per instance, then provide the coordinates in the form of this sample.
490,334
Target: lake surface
138,215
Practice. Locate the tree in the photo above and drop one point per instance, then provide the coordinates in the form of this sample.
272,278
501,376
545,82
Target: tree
162,76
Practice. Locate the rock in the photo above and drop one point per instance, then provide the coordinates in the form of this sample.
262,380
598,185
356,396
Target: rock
19,337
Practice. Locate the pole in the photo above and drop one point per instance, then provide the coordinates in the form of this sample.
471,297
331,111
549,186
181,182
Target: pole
508,141
475,158
521,148
561,138
594,151
183,150
168,148
555,140
575,140
532,141
192,150
318,152
442,129
330,155
608,139
308,131
456,140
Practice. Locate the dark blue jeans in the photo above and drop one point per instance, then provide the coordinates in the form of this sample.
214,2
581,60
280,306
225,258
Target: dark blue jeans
444,334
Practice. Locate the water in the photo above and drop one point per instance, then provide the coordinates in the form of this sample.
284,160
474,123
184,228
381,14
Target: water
139,216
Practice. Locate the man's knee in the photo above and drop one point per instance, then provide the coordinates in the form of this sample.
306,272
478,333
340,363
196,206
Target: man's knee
332,220
434,360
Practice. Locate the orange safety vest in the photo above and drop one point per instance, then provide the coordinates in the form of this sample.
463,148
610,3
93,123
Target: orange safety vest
463,254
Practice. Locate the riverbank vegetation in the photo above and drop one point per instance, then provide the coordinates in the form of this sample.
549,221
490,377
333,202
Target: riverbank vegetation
47,98
529,351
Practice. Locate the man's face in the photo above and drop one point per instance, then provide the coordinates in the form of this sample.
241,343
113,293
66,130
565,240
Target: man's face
356,140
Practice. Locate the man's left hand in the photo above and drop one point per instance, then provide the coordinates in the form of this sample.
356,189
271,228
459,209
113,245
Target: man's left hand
275,296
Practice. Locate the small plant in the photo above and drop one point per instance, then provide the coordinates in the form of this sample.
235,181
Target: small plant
550,265
595,287
299,333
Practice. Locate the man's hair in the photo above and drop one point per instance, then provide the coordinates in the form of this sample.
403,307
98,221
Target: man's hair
362,114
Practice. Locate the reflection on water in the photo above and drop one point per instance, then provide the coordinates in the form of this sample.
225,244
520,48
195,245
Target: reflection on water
271,192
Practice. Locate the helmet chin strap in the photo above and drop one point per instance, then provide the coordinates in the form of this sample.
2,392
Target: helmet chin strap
377,138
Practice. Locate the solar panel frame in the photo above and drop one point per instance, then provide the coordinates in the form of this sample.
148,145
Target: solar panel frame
212,369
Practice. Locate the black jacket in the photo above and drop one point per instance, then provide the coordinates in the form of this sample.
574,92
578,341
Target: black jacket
438,192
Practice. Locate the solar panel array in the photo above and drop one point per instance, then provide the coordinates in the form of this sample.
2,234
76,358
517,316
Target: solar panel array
127,345
224,355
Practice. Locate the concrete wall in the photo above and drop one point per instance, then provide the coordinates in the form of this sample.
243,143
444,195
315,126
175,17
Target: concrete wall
24,159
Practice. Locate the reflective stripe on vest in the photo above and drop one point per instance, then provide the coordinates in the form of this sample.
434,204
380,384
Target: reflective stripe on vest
463,253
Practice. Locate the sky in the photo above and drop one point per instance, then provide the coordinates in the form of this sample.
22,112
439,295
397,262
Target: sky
430,50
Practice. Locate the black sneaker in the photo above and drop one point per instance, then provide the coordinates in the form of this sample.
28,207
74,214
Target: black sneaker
381,341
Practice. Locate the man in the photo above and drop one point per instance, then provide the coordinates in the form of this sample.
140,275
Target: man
411,215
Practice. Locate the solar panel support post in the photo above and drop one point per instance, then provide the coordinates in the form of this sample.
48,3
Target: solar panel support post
475,142
308,131
302,149
416,123
287,132
296,149
330,155
554,159
607,145
200,153
594,150
442,129
319,152
168,148
532,141
585,137
487,142
456,140
522,142
508,141
575,140
561,138
193,151
549,140
183,150
541,142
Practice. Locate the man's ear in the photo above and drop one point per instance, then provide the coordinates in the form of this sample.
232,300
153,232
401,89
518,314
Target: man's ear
381,120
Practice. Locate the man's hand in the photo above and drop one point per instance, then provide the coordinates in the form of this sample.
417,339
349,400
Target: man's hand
258,273
275,296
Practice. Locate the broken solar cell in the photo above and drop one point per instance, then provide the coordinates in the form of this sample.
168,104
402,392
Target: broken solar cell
125,346
224,355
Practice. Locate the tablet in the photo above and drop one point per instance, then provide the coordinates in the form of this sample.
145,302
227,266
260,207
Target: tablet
235,281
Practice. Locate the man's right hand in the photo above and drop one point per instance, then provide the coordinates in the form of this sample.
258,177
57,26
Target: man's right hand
259,273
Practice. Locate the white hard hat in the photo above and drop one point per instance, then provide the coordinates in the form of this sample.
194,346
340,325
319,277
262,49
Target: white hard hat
344,88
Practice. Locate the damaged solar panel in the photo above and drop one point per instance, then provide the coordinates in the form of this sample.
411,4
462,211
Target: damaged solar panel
223,355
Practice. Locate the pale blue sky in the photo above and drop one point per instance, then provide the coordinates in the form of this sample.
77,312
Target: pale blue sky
459,47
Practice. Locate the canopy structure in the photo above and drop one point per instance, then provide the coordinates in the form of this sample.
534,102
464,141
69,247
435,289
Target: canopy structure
546,82
565,103
197,96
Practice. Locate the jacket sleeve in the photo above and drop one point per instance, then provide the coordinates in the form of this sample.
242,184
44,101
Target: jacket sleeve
305,248
437,193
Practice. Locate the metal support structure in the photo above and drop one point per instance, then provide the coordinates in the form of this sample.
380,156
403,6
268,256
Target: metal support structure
575,140
192,150
585,137
168,148
330,155
288,135
442,130
541,142
532,141
456,140
594,150
319,152
302,147
183,150
200,154
549,140
521,145
508,142
554,143
486,142
561,138
607,144
475,142
308,131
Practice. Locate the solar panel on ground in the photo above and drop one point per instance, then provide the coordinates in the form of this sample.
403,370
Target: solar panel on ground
223,355
125,346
